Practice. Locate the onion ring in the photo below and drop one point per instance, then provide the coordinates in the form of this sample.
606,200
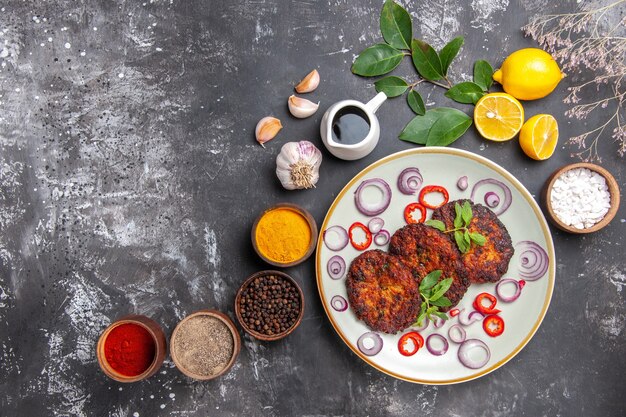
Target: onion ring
375,225
457,334
437,351
382,238
506,191
410,180
336,267
469,317
533,260
492,199
341,235
374,337
438,322
462,183
464,353
500,291
338,303
376,208
425,323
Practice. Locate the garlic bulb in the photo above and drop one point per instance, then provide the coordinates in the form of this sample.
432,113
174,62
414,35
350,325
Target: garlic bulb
298,164
267,129
301,107
309,83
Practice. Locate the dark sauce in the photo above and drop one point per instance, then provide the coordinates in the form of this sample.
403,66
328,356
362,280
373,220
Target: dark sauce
350,125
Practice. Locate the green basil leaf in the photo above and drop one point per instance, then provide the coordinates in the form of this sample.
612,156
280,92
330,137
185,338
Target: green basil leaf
442,316
430,280
478,239
448,128
449,52
437,224
431,310
466,92
460,242
426,60
416,130
416,103
396,25
442,302
392,86
420,319
458,219
467,239
483,73
443,286
466,213
377,60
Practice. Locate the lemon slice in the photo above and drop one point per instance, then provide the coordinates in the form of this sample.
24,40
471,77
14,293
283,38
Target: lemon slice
498,116
539,136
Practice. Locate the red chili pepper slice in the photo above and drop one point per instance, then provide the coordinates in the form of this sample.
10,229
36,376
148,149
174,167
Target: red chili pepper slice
410,349
480,306
521,283
454,312
433,189
368,236
408,211
493,325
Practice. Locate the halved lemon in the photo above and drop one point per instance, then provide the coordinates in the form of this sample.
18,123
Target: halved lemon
539,136
498,116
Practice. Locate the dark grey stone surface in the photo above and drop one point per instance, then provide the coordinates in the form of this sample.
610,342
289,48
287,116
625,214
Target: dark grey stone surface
129,180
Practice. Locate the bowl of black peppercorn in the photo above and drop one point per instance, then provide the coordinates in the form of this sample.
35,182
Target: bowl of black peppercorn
269,305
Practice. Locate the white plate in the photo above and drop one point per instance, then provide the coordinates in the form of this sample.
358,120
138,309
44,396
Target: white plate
524,221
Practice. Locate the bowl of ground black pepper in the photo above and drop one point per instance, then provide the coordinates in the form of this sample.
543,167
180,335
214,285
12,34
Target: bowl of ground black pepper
131,349
284,235
269,305
205,344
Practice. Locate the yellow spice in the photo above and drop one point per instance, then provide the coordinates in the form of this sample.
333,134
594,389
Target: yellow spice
283,235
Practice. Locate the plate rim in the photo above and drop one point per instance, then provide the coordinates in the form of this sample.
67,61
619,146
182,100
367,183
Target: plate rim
489,164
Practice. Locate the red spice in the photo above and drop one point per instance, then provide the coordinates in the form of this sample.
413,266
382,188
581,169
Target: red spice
129,349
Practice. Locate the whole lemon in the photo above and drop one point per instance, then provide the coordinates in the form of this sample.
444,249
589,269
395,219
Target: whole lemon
529,74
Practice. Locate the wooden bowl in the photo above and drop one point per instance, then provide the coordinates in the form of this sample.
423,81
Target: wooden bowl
236,344
259,335
613,191
159,342
312,225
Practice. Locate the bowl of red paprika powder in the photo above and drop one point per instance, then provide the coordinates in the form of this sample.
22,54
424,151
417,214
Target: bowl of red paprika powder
131,349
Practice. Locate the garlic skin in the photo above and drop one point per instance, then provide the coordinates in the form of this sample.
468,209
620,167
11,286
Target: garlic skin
309,83
298,164
301,107
266,129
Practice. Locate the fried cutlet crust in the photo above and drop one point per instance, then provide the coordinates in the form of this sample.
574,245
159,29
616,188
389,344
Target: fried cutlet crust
424,249
486,263
382,292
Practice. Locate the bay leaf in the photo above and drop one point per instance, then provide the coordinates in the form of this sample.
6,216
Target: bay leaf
377,60
426,60
449,52
416,131
466,92
416,103
483,73
396,25
392,86
448,127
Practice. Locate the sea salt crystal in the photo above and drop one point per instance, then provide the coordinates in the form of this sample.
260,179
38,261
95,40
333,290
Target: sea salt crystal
580,198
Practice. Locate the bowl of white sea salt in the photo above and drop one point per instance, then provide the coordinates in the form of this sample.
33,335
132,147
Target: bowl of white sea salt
581,198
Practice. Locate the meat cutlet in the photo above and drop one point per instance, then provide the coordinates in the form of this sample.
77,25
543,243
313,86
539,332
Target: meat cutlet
485,263
424,249
382,292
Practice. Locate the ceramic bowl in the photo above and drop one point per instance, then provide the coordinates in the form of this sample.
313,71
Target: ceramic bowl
233,331
312,225
613,190
254,333
159,342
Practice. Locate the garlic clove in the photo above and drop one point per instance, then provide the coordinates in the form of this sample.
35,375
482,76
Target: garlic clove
309,83
301,107
267,129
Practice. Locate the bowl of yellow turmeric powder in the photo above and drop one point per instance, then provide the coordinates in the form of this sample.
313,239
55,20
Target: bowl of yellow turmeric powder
284,235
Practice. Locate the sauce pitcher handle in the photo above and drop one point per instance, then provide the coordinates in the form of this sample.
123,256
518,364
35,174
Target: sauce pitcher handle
375,103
